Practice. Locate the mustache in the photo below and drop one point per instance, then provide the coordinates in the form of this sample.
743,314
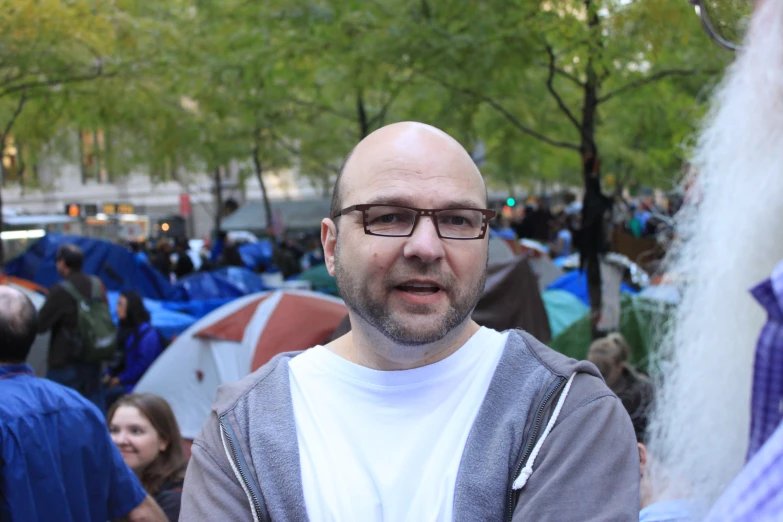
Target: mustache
444,279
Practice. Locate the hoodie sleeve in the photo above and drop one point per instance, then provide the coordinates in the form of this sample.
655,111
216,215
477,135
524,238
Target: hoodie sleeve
588,467
211,490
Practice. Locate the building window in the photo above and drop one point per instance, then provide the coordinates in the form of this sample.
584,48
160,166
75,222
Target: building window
93,149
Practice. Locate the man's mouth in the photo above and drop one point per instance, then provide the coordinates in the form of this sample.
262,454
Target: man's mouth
419,288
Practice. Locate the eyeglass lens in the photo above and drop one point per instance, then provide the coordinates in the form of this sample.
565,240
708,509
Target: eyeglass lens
729,18
399,221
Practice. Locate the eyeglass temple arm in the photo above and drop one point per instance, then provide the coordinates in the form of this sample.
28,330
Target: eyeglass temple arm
709,29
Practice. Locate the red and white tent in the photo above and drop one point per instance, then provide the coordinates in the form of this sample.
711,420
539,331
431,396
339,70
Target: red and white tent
233,341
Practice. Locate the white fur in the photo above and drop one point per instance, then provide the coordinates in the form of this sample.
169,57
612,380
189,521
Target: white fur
730,240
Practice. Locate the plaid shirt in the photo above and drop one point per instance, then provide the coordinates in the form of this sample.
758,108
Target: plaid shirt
756,494
767,405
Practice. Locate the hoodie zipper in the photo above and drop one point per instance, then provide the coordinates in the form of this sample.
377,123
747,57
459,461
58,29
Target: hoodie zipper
531,442
242,473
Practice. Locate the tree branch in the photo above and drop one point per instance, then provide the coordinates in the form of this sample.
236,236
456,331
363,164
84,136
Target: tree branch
565,74
551,87
48,83
14,116
510,117
380,116
660,75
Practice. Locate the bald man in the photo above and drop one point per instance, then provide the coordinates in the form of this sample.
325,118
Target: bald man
418,414
57,461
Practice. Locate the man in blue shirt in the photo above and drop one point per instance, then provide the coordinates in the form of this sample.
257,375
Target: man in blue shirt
57,461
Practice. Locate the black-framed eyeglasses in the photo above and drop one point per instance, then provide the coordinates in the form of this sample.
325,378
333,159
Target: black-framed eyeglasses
725,21
397,221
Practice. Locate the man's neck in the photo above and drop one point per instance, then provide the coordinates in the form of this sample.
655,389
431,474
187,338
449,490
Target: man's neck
9,363
365,346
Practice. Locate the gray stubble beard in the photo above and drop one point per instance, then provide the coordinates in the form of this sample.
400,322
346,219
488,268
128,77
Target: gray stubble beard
359,301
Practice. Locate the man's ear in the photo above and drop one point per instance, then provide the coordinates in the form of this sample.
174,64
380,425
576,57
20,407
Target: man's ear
329,242
642,458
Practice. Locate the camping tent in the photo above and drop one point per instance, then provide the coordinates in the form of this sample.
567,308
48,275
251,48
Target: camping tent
233,341
545,269
511,299
116,266
642,322
563,309
226,282
575,282
319,279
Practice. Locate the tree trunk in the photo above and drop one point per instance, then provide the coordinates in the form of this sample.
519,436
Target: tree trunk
218,200
592,241
264,195
364,122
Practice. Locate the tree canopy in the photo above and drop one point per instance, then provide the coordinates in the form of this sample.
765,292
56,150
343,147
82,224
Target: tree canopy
195,83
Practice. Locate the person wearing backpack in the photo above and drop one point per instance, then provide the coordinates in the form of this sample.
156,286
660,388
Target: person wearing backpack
140,344
83,335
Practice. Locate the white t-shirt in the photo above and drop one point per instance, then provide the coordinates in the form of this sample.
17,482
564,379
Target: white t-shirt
386,445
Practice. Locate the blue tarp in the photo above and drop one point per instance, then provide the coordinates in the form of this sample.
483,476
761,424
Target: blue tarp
169,322
227,282
576,283
172,307
116,266
198,308
253,254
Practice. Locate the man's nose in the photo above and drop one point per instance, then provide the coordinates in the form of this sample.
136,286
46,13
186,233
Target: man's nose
424,243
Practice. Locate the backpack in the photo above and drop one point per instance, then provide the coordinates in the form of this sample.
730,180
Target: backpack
97,335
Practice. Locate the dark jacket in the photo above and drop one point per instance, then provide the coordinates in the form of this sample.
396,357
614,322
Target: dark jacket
245,463
59,315
184,265
169,498
141,347
162,262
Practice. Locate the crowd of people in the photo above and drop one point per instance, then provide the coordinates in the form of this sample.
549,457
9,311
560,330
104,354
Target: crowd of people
174,258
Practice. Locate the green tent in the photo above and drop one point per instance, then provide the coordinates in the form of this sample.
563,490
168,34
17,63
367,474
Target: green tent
642,320
320,280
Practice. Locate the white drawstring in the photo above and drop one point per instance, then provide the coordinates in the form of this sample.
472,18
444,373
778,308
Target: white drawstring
524,475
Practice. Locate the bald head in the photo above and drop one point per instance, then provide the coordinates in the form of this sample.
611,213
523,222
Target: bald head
18,325
405,148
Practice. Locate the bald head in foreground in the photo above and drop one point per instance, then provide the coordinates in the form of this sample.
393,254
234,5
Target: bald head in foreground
418,413
18,324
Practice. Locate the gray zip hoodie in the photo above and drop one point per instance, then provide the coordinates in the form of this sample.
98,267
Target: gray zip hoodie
550,443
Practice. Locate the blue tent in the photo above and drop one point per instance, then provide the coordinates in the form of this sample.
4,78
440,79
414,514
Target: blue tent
116,266
198,308
227,282
575,282
253,254
169,322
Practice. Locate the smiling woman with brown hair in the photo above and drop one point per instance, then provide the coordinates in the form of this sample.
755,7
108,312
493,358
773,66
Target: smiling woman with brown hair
148,437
